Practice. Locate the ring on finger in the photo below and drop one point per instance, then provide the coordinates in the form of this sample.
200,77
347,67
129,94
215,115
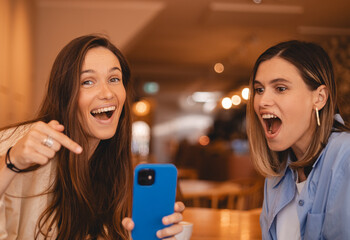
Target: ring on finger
48,142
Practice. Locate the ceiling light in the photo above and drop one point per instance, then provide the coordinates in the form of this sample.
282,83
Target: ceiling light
219,67
141,108
236,100
226,103
204,140
245,93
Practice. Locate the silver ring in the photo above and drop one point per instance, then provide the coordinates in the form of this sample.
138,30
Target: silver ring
48,142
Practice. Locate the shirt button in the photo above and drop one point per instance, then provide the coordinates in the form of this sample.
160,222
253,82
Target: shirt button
301,203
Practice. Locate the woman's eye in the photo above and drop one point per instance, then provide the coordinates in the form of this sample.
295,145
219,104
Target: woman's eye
114,80
259,90
87,83
281,89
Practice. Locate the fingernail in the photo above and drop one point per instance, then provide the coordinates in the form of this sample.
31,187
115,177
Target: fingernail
79,149
159,234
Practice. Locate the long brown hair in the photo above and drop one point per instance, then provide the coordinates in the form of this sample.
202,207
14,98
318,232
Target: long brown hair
90,196
315,68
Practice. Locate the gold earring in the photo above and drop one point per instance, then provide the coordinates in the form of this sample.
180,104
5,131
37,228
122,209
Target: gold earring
317,117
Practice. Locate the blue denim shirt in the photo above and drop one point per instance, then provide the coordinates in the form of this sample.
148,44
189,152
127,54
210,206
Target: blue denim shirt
323,204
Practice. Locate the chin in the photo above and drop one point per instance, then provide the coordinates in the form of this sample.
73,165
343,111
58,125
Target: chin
276,147
104,135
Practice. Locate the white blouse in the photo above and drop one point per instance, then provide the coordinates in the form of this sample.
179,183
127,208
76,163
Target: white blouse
288,225
25,198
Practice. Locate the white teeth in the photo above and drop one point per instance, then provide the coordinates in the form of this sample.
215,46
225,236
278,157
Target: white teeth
268,116
101,110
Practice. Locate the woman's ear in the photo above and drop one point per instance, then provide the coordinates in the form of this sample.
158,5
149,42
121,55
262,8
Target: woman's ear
320,96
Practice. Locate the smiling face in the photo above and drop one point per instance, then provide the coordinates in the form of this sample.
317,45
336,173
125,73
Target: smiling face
284,106
101,95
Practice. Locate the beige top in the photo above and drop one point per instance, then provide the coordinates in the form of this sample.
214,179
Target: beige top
21,204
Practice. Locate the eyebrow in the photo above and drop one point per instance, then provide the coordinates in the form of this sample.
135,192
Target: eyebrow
276,80
92,71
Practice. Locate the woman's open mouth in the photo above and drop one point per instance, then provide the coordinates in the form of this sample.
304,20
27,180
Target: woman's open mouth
272,123
103,113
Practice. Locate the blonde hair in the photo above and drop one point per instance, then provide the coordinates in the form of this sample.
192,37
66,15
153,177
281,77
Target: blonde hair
316,69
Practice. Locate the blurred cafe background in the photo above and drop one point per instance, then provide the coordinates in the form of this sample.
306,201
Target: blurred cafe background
190,60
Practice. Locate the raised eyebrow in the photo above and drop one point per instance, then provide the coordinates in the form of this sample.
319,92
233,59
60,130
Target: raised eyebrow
87,71
276,80
256,82
115,68
92,71
280,80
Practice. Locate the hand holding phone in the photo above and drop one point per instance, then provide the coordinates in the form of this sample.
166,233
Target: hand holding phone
154,195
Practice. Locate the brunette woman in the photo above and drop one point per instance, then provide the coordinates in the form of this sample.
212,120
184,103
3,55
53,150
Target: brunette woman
67,174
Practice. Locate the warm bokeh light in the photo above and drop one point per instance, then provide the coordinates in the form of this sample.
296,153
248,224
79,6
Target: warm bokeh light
226,103
236,100
245,93
141,134
141,108
219,67
204,140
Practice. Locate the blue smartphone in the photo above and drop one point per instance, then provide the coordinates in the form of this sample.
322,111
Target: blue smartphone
154,195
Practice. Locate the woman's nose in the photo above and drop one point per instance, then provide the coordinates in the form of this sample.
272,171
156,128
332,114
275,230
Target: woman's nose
105,91
266,99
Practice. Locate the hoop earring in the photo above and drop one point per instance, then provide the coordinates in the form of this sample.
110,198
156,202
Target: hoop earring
317,117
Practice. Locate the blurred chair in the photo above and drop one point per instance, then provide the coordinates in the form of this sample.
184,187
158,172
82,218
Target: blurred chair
184,173
249,197
214,164
204,193
238,194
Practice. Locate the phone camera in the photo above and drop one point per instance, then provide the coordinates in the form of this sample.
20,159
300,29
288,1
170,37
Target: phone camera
146,177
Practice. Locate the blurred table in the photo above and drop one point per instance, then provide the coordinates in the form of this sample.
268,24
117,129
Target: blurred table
223,224
196,189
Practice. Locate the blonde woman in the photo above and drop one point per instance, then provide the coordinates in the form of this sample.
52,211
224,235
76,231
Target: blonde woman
300,143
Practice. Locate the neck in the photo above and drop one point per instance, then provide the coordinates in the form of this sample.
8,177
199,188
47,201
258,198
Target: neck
93,143
298,152
304,142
